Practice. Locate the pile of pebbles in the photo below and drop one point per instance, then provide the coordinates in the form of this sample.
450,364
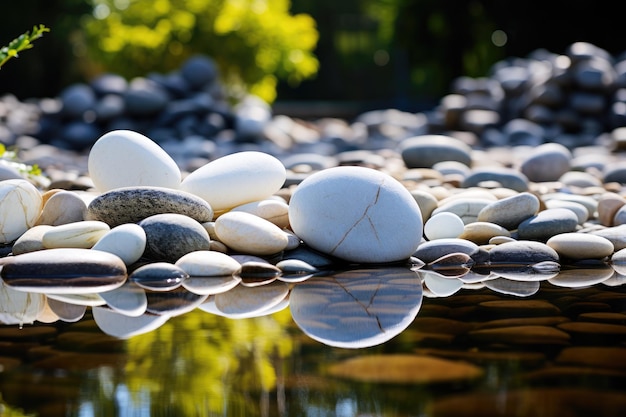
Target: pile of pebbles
183,185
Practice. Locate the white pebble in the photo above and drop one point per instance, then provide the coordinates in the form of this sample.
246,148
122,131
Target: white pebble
443,225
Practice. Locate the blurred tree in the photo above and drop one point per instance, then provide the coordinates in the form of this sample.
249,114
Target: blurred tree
254,42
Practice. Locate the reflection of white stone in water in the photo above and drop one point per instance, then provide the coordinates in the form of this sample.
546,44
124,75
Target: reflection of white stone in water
582,277
245,302
210,285
511,287
439,285
69,313
358,308
88,300
129,299
19,307
124,327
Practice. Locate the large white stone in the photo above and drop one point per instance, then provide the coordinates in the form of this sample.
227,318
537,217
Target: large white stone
236,179
20,206
250,234
124,158
357,214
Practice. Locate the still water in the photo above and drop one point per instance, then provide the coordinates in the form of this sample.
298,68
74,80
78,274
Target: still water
393,341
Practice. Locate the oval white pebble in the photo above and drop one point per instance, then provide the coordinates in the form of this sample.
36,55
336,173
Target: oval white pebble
250,234
236,179
443,225
274,211
128,241
124,158
20,207
83,235
357,214
207,263
581,245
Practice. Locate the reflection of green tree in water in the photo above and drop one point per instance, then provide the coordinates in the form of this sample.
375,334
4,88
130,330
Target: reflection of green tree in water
205,364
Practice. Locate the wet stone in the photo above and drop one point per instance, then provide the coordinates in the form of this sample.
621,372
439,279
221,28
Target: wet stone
158,276
519,308
64,270
430,251
133,204
521,335
405,369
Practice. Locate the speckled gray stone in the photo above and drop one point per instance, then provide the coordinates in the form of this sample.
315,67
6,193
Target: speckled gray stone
509,212
132,204
170,236
548,223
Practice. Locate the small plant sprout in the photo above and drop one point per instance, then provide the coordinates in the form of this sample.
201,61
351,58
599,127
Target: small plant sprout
21,43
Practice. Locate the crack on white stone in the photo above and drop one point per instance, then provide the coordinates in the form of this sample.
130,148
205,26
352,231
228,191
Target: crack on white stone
360,219
365,306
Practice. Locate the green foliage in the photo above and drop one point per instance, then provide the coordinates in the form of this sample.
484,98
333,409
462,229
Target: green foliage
21,43
256,43
9,158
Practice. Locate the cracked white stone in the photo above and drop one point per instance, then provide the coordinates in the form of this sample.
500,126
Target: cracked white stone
357,214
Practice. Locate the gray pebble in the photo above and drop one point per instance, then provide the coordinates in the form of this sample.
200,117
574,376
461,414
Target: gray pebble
523,252
170,236
506,177
509,212
132,204
424,151
548,223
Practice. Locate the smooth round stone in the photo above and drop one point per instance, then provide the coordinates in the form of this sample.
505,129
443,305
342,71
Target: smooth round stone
20,206
236,179
170,236
133,204
620,217
158,276
206,263
608,206
482,232
356,214
547,162
589,202
295,266
426,202
509,212
246,233
506,177
581,246
83,234
31,240
64,271
63,207
523,252
122,326
274,211
128,241
124,158
547,223
580,179
435,249
578,209
424,151
129,299
443,225
615,172
466,209
617,236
